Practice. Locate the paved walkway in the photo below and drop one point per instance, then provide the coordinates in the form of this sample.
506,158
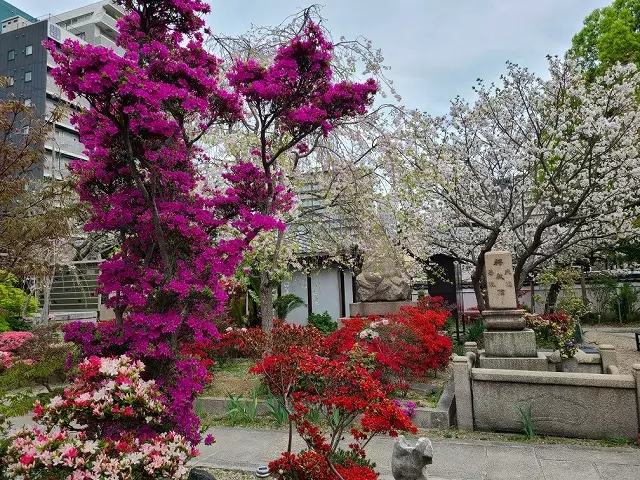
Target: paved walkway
248,448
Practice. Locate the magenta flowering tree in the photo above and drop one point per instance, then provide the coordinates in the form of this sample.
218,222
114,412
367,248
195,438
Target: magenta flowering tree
293,99
148,110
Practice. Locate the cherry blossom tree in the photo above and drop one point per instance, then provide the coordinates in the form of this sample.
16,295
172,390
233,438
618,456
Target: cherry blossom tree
545,168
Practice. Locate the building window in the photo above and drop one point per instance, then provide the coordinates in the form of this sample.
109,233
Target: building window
11,55
10,81
28,102
28,50
27,76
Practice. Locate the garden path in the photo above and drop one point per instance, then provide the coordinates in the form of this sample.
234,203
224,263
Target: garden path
622,338
247,448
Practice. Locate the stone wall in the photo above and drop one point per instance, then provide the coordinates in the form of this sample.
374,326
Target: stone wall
579,405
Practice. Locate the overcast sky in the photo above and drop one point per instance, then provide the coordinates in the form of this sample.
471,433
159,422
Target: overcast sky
436,48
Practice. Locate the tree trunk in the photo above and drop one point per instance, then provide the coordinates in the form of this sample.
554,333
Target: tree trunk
552,297
583,288
48,282
477,282
266,301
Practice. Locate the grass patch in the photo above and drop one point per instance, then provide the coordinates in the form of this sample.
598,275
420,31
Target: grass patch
20,403
233,378
422,400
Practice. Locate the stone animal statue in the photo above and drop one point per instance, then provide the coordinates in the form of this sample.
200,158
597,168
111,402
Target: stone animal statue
410,463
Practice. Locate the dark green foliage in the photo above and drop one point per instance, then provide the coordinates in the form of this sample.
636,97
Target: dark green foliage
603,290
624,302
475,331
340,457
277,411
285,304
323,322
4,443
527,420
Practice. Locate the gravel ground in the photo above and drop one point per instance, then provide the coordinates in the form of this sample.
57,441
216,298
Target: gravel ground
621,338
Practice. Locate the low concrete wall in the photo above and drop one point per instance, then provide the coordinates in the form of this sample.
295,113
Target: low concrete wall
579,405
425,417
219,406
440,417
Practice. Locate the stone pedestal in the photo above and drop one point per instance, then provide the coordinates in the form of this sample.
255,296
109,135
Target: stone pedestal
538,363
512,319
363,309
510,343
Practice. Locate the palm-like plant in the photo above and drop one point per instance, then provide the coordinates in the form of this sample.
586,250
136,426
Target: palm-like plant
285,304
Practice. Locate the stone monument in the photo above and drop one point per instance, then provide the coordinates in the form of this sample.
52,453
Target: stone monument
508,344
410,463
382,287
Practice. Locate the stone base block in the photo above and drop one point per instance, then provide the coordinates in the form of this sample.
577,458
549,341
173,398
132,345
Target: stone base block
515,363
504,319
363,309
510,344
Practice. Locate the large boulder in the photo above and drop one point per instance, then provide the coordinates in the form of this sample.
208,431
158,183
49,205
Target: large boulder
383,280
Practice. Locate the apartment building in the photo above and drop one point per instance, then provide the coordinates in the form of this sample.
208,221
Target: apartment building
95,23
27,64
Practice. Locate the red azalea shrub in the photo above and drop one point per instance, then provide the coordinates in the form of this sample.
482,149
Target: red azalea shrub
286,335
313,466
254,342
404,347
434,303
201,351
317,390
239,343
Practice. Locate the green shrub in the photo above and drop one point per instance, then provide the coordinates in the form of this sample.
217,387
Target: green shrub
12,302
323,322
603,291
624,302
475,331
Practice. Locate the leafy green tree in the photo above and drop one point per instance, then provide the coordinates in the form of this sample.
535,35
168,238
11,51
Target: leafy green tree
14,303
610,34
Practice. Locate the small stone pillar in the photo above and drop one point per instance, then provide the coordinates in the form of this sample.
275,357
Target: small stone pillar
608,357
462,382
471,347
